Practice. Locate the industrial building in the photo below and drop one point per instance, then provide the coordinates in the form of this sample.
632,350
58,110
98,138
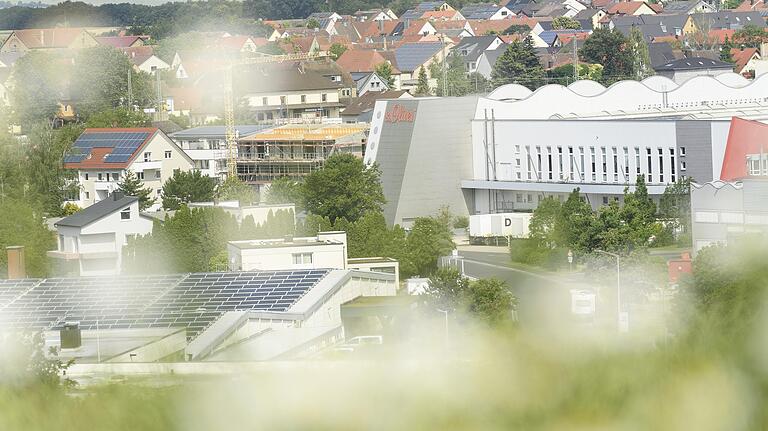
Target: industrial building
239,316
507,151
295,151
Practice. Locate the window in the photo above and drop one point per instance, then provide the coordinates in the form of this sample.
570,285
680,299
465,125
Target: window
86,176
324,97
125,214
518,198
157,174
87,195
682,151
302,258
167,154
99,176
159,192
147,156
682,165
650,165
732,218
140,175
605,200
116,176
661,165
754,167
264,101
615,164
530,197
705,217
604,163
282,100
637,160
626,162
303,98
594,166
672,165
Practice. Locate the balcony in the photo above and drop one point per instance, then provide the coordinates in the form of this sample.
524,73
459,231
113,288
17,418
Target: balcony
105,186
63,255
146,166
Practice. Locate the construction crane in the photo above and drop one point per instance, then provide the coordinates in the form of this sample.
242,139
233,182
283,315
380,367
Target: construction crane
229,102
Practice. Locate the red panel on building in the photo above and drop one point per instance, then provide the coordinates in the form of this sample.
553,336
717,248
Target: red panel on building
745,138
678,267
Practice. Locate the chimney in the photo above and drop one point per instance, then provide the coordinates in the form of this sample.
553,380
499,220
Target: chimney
116,196
16,264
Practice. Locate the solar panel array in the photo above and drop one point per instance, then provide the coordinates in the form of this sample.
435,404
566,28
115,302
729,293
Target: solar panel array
191,301
124,144
12,289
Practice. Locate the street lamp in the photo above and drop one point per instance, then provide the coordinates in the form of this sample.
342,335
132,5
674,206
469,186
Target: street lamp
445,312
618,284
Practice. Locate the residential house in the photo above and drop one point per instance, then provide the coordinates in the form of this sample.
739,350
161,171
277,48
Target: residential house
5,77
752,5
654,27
375,15
411,58
486,11
420,27
102,157
235,43
470,49
369,82
442,15
145,60
361,109
122,41
590,18
661,53
454,29
686,68
207,147
487,60
287,93
746,60
90,242
687,7
634,8
419,9
483,28
728,19
356,61
46,39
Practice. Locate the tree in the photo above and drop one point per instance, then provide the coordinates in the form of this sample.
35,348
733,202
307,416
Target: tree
490,301
131,185
564,74
45,180
565,23
343,188
422,89
185,187
675,206
457,82
234,189
518,64
641,58
542,225
285,190
384,71
639,212
750,36
23,225
119,117
312,23
574,224
516,29
428,240
336,50
609,48
447,289
725,51
37,86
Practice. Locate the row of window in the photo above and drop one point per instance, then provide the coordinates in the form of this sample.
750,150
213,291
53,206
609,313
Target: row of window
115,176
729,217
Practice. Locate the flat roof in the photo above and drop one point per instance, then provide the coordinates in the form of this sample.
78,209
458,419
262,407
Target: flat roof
266,244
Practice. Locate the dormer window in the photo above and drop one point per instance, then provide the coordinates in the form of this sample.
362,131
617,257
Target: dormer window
125,214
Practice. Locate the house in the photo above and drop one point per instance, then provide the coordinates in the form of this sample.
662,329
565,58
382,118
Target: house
687,68
235,43
418,11
410,58
486,11
590,18
122,41
356,61
295,150
655,26
367,82
483,28
746,61
361,109
470,49
90,242
442,15
454,29
287,93
687,7
145,60
375,15
8,59
326,250
487,60
47,39
661,53
102,157
634,8
207,147
728,19
752,5
420,27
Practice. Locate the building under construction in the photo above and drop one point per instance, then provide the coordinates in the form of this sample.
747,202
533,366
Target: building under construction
295,151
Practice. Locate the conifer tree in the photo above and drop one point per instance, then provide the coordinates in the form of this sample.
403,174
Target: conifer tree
131,185
422,89
519,64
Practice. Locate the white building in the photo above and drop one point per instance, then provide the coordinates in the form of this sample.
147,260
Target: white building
102,157
90,242
260,213
327,250
507,151
207,146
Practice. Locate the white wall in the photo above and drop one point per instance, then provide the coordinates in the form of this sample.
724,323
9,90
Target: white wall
281,257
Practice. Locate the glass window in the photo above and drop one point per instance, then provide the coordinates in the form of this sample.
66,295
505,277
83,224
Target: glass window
167,154
140,175
147,156
125,214
302,258
157,174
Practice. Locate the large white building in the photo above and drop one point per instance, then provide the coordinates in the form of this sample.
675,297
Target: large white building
507,151
102,158
90,242
327,250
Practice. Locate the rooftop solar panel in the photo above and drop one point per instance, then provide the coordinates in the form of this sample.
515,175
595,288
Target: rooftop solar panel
123,144
192,301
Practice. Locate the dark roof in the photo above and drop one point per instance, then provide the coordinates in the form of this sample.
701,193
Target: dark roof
278,78
732,20
694,63
585,14
660,53
103,208
367,101
412,55
680,6
474,45
480,10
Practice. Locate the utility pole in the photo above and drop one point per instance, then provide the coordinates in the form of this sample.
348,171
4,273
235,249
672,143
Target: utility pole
445,60
130,88
159,93
575,60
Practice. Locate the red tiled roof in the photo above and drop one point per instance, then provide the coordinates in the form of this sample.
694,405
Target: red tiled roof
720,34
415,27
48,37
750,5
744,137
449,25
358,60
742,56
602,4
442,15
120,41
626,8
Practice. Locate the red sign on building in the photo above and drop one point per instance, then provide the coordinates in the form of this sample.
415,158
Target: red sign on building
399,114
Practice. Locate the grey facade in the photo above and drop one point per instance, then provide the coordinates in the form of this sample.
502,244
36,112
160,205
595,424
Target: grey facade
722,213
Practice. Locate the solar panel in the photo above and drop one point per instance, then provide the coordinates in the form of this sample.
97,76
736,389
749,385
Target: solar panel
192,301
124,144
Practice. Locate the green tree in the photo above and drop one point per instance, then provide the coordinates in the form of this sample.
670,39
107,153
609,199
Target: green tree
343,188
285,190
384,71
543,222
38,83
186,187
336,50
119,117
518,64
45,180
422,89
312,23
565,23
574,223
675,206
725,50
641,58
490,301
23,225
750,36
234,189
428,240
447,290
131,185
639,213
456,81
516,29
611,49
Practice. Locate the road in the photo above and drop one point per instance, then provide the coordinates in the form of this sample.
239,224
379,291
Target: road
543,299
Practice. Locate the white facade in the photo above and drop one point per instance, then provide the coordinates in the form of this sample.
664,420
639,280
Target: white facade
327,250
96,248
152,64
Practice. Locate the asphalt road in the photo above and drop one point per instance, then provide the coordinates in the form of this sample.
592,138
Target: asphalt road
543,300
